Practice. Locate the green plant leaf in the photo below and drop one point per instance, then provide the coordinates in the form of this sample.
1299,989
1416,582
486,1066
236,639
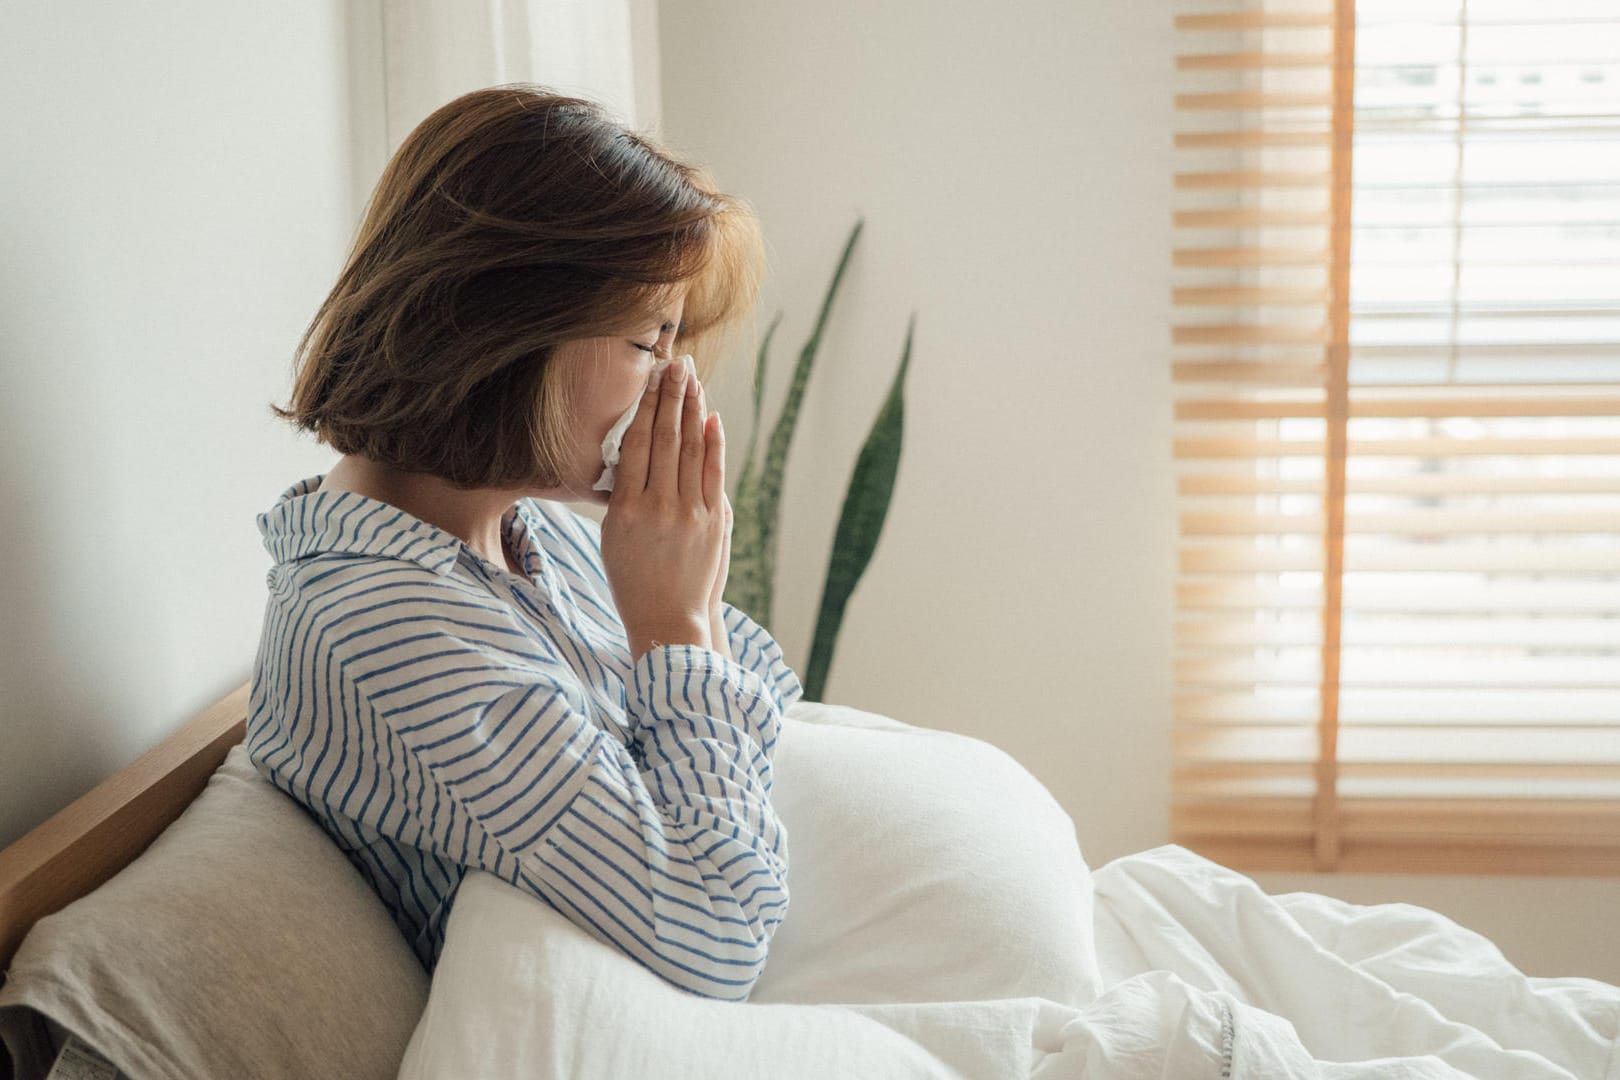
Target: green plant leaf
759,396
866,505
764,504
748,588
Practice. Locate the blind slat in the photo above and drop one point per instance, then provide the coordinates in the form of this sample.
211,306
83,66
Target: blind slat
1251,137
1467,596
1251,334
1225,61
1255,99
1242,635
1420,407
1226,219
1249,256
1431,669
1270,373
1449,483
1440,856
1499,558
1424,523
1224,296
1423,448
1254,19
1598,825
1251,178
1280,744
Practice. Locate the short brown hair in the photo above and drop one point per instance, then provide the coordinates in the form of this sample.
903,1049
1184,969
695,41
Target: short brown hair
510,220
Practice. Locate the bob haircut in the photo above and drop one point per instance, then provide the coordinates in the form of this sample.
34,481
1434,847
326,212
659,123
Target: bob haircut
510,220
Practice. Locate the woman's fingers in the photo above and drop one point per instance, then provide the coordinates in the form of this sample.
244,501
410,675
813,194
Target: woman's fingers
693,445
714,463
664,461
718,593
666,448
631,472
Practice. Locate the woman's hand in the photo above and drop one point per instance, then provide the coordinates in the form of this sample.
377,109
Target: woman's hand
666,530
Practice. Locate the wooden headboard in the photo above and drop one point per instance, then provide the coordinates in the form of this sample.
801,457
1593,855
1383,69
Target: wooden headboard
100,833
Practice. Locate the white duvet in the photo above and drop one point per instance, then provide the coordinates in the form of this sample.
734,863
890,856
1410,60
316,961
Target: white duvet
942,923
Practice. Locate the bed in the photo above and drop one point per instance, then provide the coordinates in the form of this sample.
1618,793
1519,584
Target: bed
187,919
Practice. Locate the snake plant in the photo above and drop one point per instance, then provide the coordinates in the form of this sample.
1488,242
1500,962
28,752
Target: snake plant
756,505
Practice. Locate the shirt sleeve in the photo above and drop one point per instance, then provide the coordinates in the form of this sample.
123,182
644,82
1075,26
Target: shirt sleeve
673,855
755,649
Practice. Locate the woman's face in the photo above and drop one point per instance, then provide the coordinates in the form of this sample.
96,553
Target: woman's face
607,376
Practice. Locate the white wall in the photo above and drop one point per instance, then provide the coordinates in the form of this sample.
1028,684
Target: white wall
175,201
179,188
1013,164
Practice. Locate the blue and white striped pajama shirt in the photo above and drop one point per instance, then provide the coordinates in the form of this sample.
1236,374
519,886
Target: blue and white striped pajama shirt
435,712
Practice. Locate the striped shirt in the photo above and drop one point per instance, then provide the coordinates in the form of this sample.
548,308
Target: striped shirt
435,712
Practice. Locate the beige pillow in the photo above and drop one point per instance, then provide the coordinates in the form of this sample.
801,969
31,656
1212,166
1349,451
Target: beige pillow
241,943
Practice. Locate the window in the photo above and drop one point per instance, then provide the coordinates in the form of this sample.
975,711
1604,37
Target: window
1396,356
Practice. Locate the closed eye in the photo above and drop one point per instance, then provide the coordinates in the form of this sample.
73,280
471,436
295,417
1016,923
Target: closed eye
662,330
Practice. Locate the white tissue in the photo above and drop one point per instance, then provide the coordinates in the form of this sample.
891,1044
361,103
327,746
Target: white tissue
615,435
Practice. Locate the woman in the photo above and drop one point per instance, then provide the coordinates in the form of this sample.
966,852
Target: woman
457,671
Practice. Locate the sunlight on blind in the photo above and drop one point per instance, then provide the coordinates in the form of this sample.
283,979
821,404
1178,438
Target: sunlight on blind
1410,660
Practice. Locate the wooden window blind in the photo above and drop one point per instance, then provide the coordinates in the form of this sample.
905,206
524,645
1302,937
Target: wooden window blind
1396,362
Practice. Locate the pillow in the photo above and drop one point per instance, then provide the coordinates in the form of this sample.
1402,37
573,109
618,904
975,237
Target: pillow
521,993
241,943
923,865
939,923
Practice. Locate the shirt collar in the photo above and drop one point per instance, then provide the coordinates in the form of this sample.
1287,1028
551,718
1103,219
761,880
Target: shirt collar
305,522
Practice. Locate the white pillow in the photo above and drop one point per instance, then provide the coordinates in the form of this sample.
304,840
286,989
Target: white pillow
521,993
939,906
924,865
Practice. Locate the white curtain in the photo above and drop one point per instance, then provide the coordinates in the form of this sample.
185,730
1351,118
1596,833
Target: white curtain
408,57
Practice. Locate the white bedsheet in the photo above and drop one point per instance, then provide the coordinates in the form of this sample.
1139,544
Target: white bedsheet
1182,969
1388,990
